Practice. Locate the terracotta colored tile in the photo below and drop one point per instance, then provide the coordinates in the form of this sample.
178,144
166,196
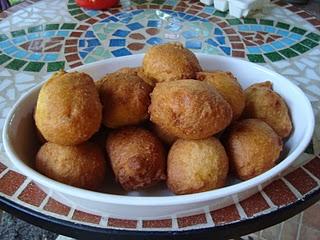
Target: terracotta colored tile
304,14
240,54
259,36
137,36
275,36
136,46
311,217
122,223
57,38
182,4
167,7
70,49
225,215
260,42
103,15
246,33
54,49
83,27
85,217
222,24
234,38
301,181
269,39
203,15
254,204
164,223
229,31
180,9
237,45
314,167
51,43
10,182
76,34
32,194
72,57
56,207
25,45
193,12
279,193
195,7
200,4
154,6
294,8
192,220
307,233
114,10
314,21
248,43
152,31
2,167
91,21
71,41
77,64
214,19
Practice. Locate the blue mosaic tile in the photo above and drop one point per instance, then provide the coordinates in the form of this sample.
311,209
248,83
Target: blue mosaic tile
283,33
88,49
63,33
49,34
20,39
194,44
82,43
35,56
10,50
83,54
256,28
51,57
117,43
33,36
295,36
253,50
5,44
190,34
134,26
154,23
121,33
267,48
89,34
218,31
135,12
278,44
221,40
287,41
188,17
92,13
126,20
124,15
208,9
270,29
194,18
121,52
173,27
113,19
21,54
226,50
181,14
93,42
244,28
154,40
211,42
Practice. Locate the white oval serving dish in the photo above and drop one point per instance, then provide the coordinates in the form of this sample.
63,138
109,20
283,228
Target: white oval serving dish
19,142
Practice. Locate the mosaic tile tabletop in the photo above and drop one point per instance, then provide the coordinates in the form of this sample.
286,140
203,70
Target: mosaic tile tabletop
38,38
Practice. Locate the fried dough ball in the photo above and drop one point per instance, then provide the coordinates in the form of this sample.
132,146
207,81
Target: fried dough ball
137,158
196,166
265,104
138,71
189,109
68,110
125,99
164,134
253,147
81,166
170,62
229,88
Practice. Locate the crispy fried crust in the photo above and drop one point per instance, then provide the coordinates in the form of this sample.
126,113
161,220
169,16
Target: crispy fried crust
170,62
163,134
253,147
189,109
196,166
229,88
81,166
125,99
68,110
137,158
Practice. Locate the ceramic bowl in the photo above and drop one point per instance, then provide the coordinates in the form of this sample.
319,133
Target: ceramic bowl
20,145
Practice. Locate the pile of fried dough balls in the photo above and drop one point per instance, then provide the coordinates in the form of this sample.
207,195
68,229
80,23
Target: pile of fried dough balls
163,122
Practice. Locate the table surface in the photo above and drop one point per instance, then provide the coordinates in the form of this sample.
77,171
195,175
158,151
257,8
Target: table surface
38,38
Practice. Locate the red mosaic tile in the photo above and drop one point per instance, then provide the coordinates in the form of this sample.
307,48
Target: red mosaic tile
122,223
48,44
214,19
246,33
281,3
152,31
2,167
314,21
91,21
304,14
254,204
56,207
182,4
279,193
114,10
234,38
192,220
248,43
77,64
275,36
196,8
103,15
72,57
222,24
294,8
192,12
54,49
136,46
240,54
167,7
225,215
83,27
203,15
154,6
180,9
269,39
314,167
229,31
71,42
76,34
163,223
86,217
57,38
301,181
32,194
10,182
137,36
200,4
70,49
237,45
25,45
260,42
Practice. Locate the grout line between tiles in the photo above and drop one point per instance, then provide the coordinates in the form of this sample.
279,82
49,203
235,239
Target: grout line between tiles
311,175
21,188
4,172
292,188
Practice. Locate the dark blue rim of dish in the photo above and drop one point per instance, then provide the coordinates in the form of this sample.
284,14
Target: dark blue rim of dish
227,231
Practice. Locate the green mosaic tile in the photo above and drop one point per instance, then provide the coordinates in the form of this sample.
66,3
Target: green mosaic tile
34,66
298,30
139,1
106,54
90,59
158,1
16,64
3,37
18,33
35,29
314,37
73,6
101,36
307,42
55,66
256,58
71,1
274,56
68,26
300,48
98,51
4,58
288,53
234,21
220,14
82,17
283,25
250,21
52,26
75,11
266,22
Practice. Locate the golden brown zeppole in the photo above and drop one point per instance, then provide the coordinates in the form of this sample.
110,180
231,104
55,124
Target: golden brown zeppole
196,166
189,109
253,147
68,110
229,88
265,104
137,158
81,166
170,62
164,134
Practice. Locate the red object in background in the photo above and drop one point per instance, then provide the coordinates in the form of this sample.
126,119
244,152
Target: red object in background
97,4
